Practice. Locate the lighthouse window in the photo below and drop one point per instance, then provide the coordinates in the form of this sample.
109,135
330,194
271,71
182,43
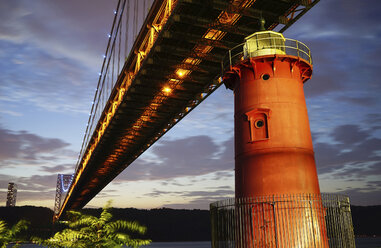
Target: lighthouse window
266,76
259,123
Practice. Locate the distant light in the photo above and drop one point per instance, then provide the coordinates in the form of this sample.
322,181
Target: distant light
104,55
99,73
167,90
115,12
109,35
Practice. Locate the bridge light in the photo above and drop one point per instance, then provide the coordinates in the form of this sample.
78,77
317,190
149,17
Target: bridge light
181,72
167,90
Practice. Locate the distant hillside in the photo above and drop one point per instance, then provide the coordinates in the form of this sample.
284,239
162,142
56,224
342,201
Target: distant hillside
366,220
171,224
167,224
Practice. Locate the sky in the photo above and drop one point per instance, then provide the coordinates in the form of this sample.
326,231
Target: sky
50,56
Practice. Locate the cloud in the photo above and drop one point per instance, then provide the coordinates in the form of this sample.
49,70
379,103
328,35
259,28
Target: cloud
353,158
192,156
53,84
344,47
75,33
21,148
59,169
373,120
356,150
196,199
31,188
349,134
37,183
354,15
59,59
202,199
24,145
322,83
361,196
363,101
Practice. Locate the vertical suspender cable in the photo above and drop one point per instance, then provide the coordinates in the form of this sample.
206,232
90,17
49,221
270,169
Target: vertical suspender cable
119,45
127,34
110,54
113,65
111,58
135,18
144,10
96,96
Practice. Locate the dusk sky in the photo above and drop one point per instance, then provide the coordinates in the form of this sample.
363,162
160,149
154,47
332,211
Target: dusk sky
50,56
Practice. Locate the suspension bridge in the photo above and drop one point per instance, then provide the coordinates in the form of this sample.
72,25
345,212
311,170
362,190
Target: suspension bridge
171,66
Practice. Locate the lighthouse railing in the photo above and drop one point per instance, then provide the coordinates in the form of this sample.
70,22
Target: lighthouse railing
269,46
283,221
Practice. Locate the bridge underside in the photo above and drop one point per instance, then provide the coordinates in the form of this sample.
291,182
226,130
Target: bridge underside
186,58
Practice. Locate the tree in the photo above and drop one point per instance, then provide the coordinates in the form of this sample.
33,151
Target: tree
8,235
90,231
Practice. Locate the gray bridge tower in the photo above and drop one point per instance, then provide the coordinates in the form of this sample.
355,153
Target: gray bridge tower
11,196
63,185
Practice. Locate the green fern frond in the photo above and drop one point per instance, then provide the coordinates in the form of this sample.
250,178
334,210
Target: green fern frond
105,216
88,231
3,227
8,235
119,225
137,242
84,220
19,227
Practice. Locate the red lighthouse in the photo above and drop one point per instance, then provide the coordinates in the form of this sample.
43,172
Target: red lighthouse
274,157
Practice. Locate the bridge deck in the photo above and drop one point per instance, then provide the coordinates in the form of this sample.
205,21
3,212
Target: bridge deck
173,66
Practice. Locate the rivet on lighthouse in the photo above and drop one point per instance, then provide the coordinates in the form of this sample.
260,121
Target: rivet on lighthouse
274,157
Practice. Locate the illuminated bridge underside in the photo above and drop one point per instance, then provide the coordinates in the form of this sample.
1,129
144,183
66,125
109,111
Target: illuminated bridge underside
193,40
